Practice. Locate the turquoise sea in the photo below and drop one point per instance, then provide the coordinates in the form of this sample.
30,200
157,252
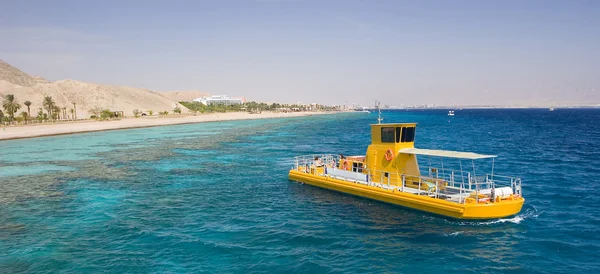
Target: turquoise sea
215,198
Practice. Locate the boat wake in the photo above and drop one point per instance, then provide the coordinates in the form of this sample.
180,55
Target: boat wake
529,213
453,234
515,220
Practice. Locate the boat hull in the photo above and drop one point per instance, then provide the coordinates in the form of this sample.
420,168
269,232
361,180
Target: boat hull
467,211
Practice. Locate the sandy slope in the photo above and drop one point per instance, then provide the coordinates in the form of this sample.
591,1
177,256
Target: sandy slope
86,95
14,75
89,95
17,132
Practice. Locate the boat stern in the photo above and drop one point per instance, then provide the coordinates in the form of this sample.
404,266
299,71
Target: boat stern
501,209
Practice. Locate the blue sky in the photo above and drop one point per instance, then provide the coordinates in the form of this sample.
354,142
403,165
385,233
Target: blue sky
334,52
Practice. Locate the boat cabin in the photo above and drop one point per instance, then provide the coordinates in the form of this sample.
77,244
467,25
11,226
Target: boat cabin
386,142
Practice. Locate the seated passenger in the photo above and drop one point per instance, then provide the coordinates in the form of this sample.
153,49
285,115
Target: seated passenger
318,162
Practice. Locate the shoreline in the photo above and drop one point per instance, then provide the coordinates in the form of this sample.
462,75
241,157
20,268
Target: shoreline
34,131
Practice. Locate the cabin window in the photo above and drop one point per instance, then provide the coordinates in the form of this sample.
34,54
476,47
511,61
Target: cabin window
398,134
408,135
387,134
357,167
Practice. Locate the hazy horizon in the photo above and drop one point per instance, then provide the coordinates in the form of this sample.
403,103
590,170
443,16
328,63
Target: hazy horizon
330,52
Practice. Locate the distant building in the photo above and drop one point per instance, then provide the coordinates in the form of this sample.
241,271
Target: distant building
220,100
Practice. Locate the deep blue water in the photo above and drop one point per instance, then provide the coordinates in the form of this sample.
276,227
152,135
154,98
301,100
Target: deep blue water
214,197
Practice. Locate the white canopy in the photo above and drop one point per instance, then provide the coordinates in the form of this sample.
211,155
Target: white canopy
445,153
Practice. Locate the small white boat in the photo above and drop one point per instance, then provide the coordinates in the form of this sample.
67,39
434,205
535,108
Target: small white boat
551,109
361,109
451,113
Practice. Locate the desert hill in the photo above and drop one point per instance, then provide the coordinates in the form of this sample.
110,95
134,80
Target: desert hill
15,76
84,95
185,95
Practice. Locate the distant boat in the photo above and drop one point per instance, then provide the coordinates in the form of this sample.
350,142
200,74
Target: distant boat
362,109
551,109
451,113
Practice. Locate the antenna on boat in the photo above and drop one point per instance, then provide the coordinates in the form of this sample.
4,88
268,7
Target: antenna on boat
379,119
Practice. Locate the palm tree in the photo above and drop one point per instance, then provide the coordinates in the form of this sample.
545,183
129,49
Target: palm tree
48,105
28,103
24,115
74,112
56,112
64,112
10,105
40,114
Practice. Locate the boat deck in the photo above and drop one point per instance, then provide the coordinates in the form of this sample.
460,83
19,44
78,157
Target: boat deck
453,194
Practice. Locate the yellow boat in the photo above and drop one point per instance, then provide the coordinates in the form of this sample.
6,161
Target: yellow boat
390,172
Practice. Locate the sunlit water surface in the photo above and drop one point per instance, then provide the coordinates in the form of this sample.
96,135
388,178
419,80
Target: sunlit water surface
215,197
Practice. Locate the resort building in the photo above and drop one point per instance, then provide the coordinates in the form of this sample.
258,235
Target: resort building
220,100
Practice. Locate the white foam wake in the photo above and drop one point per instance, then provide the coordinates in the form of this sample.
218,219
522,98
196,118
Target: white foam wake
454,234
527,214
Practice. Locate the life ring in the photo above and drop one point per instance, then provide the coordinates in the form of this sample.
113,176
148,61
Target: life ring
345,165
389,154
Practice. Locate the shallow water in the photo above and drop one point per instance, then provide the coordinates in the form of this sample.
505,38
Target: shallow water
214,197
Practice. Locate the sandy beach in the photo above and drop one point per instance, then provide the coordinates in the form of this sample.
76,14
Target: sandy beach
38,130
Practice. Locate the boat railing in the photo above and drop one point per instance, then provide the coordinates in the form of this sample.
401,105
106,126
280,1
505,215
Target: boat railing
505,181
480,188
315,160
453,177
414,184
456,178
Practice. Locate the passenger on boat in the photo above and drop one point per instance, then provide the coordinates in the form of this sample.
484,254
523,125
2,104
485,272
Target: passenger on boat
318,162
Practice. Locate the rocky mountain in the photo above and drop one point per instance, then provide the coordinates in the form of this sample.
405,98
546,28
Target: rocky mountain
85,95
15,76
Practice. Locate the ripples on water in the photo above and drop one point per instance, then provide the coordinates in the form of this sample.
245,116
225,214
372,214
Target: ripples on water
215,197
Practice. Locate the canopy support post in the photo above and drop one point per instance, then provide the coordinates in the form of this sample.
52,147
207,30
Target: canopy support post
443,173
475,179
493,159
462,176
430,171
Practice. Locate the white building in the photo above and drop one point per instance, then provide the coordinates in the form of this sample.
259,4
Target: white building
220,100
